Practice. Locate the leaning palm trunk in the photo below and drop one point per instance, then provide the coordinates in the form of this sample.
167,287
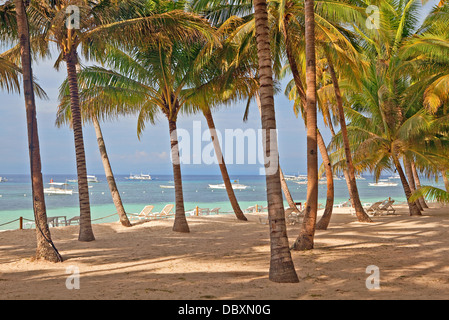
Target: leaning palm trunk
221,163
180,224
284,186
110,175
414,210
45,248
359,211
326,217
418,185
411,179
306,236
445,179
86,232
281,263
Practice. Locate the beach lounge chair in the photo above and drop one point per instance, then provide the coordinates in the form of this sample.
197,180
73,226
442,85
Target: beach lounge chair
215,211
374,207
165,213
254,209
75,220
344,204
385,208
144,214
293,217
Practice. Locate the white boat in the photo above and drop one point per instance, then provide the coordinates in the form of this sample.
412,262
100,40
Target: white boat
167,187
383,184
92,179
394,177
3,179
235,185
359,177
139,177
56,189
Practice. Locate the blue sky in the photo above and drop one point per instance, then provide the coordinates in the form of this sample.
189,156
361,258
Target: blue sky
150,154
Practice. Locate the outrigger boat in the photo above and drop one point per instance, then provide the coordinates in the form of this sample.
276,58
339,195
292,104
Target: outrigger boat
56,189
235,185
139,177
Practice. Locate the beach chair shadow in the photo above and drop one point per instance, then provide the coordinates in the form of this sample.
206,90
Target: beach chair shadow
144,214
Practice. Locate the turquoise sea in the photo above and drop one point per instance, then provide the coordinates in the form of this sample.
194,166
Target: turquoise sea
16,201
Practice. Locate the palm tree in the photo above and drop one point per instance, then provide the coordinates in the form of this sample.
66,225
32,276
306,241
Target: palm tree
243,35
306,236
45,247
91,111
281,266
129,21
149,80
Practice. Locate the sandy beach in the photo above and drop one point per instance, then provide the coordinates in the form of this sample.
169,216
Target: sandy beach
223,258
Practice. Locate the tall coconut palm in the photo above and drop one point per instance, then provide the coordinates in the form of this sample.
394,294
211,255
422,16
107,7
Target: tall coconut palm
218,13
306,236
281,266
45,247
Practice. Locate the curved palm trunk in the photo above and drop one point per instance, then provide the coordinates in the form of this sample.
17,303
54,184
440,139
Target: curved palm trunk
221,163
326,217
359,211
418,186
180,224
110,175
45,248
286,191
281,263
411,179
284,186
445,179
414,210
86,232
306,236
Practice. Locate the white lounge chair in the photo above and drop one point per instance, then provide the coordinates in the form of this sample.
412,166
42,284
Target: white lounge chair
215,211
165,213
372,209
75,219
385,208
144,214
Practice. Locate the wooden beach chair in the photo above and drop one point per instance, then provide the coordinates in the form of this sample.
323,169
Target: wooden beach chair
386,208
144,214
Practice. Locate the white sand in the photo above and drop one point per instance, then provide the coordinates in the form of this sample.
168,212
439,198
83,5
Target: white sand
223,258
